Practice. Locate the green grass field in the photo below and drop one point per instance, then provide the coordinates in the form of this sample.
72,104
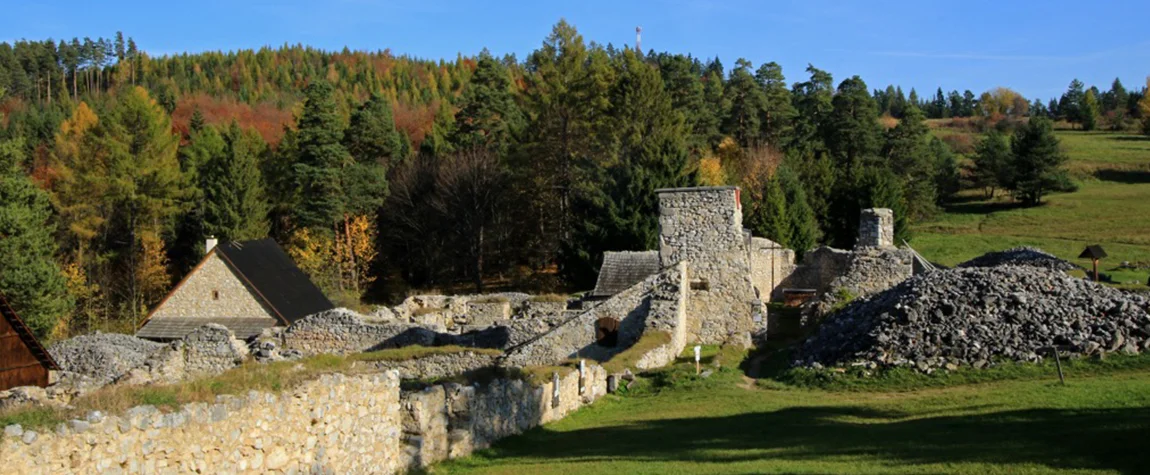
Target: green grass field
1111,208
1096,423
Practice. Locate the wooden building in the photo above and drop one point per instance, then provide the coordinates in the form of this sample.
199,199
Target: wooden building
23,361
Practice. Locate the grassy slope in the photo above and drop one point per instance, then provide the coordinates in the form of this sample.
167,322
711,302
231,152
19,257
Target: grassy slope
1112,208
720,425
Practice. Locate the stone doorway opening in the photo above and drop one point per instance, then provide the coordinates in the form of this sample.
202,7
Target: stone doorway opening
607,332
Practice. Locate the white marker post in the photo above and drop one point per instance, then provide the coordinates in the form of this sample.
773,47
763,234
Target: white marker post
698,354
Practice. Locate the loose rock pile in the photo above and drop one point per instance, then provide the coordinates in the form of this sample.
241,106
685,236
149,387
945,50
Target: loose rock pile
103,355
1021,256
976,316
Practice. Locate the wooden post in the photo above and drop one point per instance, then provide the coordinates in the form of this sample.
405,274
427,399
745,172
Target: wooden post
1095,275
1058,363
698,353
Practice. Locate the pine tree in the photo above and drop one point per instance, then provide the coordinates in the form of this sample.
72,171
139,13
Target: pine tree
747,105
910,158
1037,164
488,116
946,174
778,114
321,160
853,132
1070,105
804,231
991,164
769,218
197,121
235,206
1144,108
30,279
371,136
616,209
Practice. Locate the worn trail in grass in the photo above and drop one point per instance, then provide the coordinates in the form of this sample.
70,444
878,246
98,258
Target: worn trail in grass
1093,424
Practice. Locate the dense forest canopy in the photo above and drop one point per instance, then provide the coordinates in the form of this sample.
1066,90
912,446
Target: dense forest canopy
380,173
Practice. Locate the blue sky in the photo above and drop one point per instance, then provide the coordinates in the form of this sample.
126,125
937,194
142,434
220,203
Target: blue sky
1035,47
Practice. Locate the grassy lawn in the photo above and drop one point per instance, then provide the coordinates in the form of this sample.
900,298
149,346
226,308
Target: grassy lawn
1111,207
1096,423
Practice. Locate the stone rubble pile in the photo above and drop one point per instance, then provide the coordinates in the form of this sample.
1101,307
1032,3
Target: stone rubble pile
1021,256
976,316
103,355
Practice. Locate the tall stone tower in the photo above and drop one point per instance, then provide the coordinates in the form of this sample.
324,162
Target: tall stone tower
704,227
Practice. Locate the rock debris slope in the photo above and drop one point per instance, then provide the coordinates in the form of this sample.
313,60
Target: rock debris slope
978,315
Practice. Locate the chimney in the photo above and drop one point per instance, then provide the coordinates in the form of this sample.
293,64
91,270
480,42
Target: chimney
210,244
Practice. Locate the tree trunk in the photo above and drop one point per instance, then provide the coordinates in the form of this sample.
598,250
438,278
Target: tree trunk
354,272
479,262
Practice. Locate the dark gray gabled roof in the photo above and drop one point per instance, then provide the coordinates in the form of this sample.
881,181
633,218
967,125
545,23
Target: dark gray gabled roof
623,269
274,277
174,328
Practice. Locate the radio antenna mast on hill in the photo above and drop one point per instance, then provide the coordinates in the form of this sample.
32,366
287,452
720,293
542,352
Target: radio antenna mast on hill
638,39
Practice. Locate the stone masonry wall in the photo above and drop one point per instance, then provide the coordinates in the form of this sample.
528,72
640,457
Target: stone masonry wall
771,264
819,268
341,331
194,298
335,424
653,303
704,227
876,228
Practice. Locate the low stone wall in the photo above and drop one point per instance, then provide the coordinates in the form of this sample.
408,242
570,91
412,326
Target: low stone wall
341,331
438,366
335,424
870,271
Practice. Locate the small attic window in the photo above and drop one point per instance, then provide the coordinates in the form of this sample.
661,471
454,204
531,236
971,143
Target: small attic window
215,295
700,284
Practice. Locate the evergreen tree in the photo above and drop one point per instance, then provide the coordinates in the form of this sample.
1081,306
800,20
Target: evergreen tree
488,116
618,208
1070,105
371,136
946,174
813,102
991,163
1088,112
770,218
235,206
778,112
1037,165
747,105
30,279
853,132
1144,108
800,216
908,155
197,121
322,158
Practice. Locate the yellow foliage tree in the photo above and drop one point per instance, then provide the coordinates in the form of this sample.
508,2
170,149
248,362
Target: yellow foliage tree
71,194
1144,106
152,277
711,171
315,254
355,252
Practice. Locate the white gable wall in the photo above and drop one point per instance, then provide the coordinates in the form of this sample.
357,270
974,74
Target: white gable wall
197,296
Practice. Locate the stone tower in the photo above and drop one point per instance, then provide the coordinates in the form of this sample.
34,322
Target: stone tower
876,228
704,227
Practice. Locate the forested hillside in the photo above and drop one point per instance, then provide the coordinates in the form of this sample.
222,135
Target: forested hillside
380,173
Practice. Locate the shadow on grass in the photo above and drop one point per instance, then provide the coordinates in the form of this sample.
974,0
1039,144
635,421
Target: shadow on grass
1110,439
1131,138
982,207
1129,177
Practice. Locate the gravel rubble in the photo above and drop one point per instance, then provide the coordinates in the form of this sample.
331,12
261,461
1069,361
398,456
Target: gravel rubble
102,355
979,315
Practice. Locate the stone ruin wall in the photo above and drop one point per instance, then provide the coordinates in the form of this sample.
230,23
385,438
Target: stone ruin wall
771,264
334,424
343,332
656,303
704,227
